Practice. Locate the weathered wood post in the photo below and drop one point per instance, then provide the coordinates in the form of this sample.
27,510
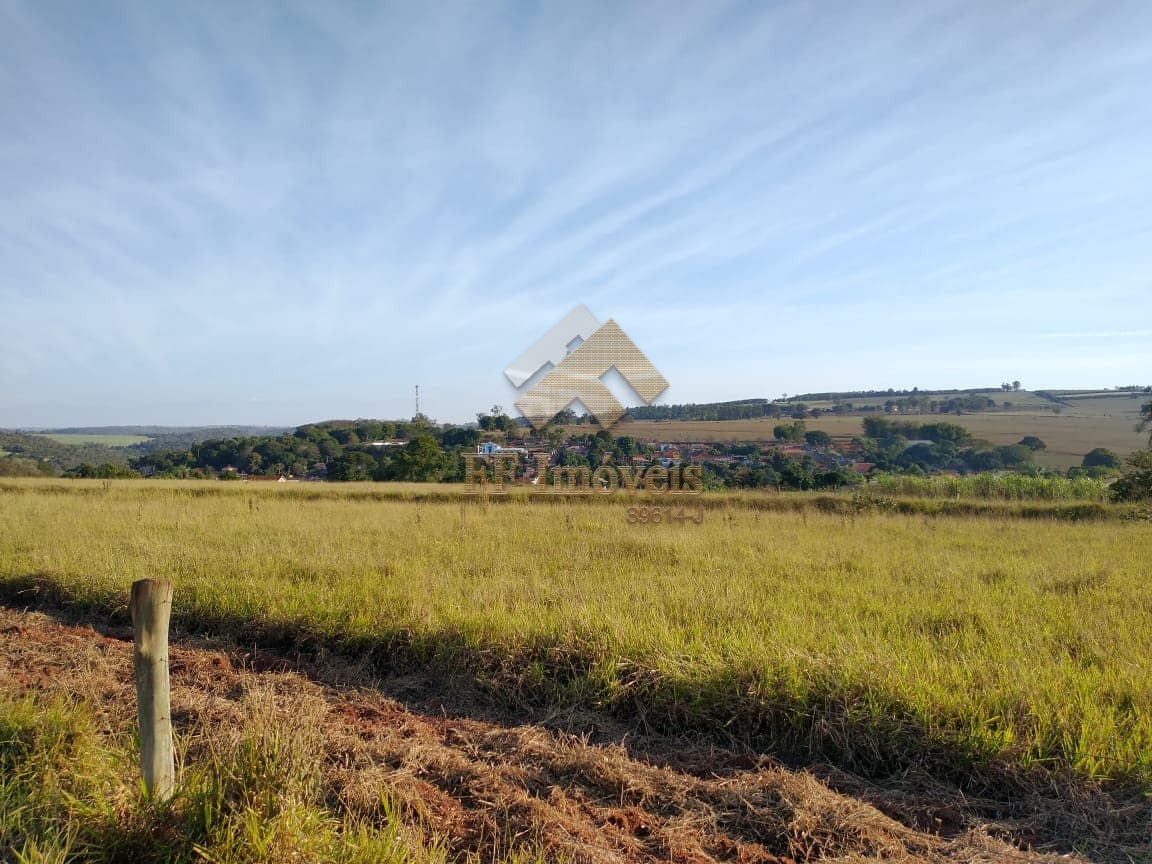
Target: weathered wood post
151,610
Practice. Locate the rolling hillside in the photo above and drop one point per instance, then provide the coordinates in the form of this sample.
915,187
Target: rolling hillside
1071,423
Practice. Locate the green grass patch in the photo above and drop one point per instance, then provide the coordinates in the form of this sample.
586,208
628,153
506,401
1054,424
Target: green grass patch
79,439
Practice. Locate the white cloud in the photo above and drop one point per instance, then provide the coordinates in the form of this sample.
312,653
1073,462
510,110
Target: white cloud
334,200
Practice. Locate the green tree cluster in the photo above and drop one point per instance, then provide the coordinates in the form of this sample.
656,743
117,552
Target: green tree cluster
938,446
106,471
1136,482
790,431
337,449
747,409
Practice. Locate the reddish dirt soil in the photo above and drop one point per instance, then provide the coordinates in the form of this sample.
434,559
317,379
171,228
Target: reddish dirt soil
463,772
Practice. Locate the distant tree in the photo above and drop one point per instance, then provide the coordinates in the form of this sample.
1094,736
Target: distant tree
600,446
1015,456
457,437
421,459
625,447
568,459
917,457
876,427
838,477
818,438
1101,457
554,434
944,433
352,467
106,471
982,459
497,421
346,436
1015,385
16,467
1146,420
1033,443
1136,484
797,475
789,431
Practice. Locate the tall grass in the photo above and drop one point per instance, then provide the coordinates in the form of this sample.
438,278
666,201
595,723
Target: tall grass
904,499
873,639
996,487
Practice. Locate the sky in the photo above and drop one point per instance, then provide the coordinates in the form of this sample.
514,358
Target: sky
276,213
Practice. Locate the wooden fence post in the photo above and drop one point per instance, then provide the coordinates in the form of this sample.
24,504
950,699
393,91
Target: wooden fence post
151,610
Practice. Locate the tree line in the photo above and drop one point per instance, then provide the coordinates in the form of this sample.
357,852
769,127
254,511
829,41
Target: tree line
418,450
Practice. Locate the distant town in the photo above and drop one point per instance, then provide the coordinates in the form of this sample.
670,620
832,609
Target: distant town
810,442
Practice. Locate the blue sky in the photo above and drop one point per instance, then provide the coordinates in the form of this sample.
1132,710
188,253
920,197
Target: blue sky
233,212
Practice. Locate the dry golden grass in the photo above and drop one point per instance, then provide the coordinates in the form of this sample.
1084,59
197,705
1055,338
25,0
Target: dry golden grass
873,639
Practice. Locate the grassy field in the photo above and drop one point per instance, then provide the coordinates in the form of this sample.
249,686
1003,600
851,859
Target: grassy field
992,652
861,639
77,439
988,487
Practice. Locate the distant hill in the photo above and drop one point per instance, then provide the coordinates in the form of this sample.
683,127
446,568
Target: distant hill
40,448
142,439
850,395
204,433
1070,422
69,447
